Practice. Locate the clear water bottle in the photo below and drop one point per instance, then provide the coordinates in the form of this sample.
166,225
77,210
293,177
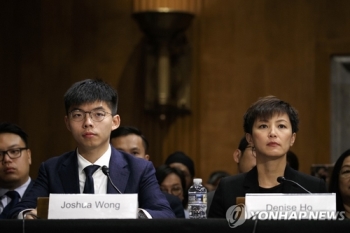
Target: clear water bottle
197,200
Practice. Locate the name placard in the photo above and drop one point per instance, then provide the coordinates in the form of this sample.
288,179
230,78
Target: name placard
93,206
290,206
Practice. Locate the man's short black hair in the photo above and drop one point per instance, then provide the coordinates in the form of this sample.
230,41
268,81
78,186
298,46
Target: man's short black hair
6,127
128,130
243,144
90,91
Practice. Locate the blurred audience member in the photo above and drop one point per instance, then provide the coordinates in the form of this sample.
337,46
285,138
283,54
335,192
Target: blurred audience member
244,156
181,161
340,182
172,181
321,172
214,179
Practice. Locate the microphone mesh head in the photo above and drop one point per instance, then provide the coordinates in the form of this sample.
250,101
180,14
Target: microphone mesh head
280,179
105,170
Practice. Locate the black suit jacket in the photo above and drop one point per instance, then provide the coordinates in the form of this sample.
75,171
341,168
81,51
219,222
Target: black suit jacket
128,173
176,205
210,196
239,185
28,188
30,185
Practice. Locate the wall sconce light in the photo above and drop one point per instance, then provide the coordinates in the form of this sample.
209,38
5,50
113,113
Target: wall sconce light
168,60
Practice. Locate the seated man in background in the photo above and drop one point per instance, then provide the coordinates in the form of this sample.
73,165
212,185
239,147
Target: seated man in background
91,115
245,158
132,141
15,163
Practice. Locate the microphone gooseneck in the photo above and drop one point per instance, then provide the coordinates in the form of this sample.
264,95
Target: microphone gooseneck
282,179
105,171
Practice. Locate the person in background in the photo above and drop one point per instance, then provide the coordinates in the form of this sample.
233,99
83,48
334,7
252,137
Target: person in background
15,157
131,140
340,183
244,156
184,163
321,172
270,125
91,115
172,181
214,179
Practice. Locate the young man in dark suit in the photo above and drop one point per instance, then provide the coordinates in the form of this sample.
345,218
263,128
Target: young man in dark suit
91,115
15,157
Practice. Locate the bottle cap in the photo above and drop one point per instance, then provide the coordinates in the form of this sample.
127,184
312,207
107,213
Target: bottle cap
197,180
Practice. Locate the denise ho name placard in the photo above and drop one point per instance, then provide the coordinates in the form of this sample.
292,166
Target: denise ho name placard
93,206
289,205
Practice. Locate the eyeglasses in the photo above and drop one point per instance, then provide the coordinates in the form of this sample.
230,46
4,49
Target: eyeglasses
95,115
345,173
176,190
12,153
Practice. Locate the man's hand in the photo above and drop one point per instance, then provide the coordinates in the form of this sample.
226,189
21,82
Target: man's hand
31,214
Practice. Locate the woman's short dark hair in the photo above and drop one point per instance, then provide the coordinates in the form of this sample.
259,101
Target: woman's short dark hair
334,182
265,108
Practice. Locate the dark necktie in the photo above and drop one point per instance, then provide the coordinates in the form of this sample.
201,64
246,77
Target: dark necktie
14,200
89,182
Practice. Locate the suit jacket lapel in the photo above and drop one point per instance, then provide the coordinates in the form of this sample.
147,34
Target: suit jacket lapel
28,188
118,171
68,173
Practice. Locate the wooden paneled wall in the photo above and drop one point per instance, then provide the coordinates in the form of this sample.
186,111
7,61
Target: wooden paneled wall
241,50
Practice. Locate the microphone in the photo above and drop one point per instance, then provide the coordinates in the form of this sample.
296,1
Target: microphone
281,179
105,171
